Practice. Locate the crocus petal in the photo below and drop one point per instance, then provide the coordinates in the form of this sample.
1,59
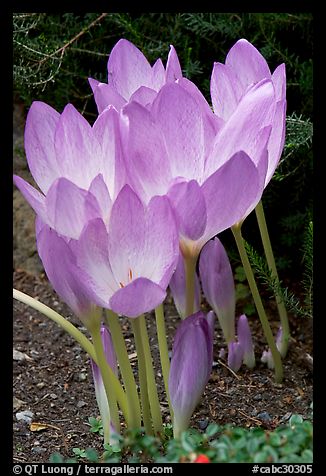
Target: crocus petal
39,225
141,295
177,114
173,68
100,191
228,193
76,149
178,289
226,90
190,208
213,123
60,266
162,242
235,356
144,139
218,285
190,370
144,96
106,130
245,340
128,69
143,241
262,167
69,208
91,251
93,83
267,357
248,64
40,128
279,82
277,139
33,196
105,95
255,111
158,75
127,235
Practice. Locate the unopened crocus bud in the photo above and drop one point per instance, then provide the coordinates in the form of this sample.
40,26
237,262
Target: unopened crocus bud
245,340
100,393
218,285
178,289
191,365
267,357
235,355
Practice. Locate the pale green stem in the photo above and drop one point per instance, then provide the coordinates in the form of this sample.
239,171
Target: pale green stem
154,402
272,266
164,351
76,334
135,324
58,319
236,229
103,365
190,270
112,321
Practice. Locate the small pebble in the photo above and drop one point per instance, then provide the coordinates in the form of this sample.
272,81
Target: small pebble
264,416
53,396
17,403
25,416
81,404
82,377
286,417
203,424
38,449
40,385
20,356
257,397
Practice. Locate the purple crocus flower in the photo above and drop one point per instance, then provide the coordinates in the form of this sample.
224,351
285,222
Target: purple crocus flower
100,393
245,341
241,350
178,286
191,365
235,355
210,187
129,265
218,285
72,163
267,357
132,78
230,82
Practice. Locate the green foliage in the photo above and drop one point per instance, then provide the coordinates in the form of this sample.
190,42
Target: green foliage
299,134
96,425
242,292
264,274
308,265
290,443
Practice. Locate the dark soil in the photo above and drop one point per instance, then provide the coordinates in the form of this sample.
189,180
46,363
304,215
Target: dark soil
55,383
